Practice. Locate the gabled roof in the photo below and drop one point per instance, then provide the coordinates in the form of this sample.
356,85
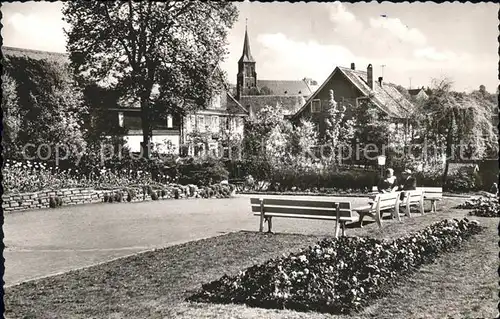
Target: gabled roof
386,97
285,87
239,108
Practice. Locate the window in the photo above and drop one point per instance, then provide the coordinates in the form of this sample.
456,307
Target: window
201,123
215,123
120,119
316,106
170,121
216,101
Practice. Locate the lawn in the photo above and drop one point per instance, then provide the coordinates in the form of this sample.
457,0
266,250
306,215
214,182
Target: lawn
154,284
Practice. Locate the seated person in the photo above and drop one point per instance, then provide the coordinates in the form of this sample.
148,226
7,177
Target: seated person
388,184
407,182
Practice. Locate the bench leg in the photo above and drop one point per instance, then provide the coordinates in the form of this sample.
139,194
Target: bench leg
343,228
378,218
361,216
337,228
269,224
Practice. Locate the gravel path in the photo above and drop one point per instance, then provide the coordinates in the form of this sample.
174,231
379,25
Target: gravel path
46,242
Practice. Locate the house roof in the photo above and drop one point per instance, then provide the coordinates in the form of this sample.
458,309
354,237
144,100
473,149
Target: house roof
386,96
290,103
414,92
286,87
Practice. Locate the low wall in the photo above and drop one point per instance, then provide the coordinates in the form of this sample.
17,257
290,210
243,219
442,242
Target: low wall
72,196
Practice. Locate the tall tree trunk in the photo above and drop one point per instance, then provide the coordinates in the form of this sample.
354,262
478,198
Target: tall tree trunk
449,141
146,125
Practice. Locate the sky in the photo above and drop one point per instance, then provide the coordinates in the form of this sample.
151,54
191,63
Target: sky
407,43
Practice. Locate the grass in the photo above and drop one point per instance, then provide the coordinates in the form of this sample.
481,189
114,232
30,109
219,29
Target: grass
154,284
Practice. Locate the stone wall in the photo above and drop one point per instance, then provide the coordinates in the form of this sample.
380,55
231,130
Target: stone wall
71,196
77,196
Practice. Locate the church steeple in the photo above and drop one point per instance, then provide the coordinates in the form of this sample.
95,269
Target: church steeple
247,55
247,77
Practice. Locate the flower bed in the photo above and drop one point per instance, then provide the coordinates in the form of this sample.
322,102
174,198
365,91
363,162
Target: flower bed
482,206
337,275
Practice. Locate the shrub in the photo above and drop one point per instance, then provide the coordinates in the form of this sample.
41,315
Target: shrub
464,180
118,197
482,206
337,275
154,196
202,172
106,197
163,193
176,193
52,202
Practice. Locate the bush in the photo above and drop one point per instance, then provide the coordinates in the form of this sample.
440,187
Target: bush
203,172
290,178
154,196
464,180
337,275
482,206
52,202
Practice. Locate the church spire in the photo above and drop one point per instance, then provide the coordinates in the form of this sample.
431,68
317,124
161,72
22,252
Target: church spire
247,55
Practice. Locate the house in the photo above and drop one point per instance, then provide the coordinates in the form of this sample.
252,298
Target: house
254,94
222,116
214,128
352,87
418,94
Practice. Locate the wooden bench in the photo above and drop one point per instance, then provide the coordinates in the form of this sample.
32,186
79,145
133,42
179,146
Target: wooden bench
433,194
382,202
267,208
413,198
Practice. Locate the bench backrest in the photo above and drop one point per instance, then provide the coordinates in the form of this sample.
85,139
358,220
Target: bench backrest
386,201
432,192
301,208
414,196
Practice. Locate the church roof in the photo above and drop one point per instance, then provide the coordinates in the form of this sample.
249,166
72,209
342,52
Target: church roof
247,55
290,103
286,87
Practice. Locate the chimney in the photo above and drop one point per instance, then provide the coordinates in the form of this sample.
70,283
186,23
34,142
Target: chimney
353,66
369,76
380,79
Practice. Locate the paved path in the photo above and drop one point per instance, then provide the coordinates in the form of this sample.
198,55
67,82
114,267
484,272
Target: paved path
44,242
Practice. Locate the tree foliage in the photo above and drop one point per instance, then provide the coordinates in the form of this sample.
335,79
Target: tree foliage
163,53
45,107
458,123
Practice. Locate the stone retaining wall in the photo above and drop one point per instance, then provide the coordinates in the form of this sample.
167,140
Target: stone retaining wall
71,196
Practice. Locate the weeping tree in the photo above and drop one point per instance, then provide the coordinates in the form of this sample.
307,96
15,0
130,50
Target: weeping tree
164,54
459,124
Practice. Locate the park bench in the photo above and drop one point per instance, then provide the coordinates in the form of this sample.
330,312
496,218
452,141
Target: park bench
432,194
413,198
267,208
382,202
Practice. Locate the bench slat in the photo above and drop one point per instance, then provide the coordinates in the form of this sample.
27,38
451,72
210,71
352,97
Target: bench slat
301,211
333,217
300,203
